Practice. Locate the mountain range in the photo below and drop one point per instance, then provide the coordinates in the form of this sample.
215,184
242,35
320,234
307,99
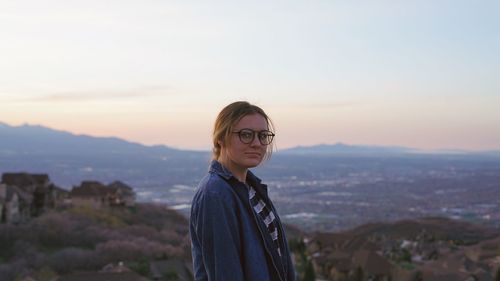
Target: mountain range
70,158
38,139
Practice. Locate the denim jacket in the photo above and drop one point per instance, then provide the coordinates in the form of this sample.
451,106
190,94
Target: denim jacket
228,241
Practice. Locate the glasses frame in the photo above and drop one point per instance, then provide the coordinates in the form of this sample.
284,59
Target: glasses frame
269,135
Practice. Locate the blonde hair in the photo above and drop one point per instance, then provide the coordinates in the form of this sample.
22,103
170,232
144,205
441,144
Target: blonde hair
228,117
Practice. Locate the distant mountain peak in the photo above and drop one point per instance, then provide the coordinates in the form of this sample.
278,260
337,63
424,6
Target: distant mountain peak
29,137
343,148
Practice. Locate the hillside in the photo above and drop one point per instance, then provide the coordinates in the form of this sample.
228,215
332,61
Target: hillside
432,248
65,241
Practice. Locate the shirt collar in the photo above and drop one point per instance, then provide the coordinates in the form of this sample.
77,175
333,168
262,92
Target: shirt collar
218,168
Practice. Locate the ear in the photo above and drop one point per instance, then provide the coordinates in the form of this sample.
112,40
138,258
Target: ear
221,143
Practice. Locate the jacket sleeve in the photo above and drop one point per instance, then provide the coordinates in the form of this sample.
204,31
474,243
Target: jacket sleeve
216,244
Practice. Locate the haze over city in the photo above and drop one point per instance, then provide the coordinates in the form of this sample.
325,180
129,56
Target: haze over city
421,74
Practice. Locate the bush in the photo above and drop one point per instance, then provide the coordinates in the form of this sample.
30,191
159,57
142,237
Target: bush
135,249
99,216
72,259
417,276
309,274
11,271
84,239
141,267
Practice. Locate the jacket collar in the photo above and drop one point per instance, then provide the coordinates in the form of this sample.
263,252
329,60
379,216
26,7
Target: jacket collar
218,168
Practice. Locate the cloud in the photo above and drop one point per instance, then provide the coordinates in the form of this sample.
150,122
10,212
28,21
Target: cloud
97,95
321,105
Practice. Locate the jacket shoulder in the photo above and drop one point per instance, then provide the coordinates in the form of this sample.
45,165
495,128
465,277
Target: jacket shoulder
213,185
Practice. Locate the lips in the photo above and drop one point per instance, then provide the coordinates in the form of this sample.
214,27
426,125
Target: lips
254,154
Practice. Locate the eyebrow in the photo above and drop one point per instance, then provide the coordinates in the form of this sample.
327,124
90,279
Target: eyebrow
246,128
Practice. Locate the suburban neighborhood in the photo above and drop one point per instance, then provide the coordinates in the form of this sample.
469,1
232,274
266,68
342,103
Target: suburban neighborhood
24,195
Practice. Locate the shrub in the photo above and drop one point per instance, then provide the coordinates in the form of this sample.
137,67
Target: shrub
99,216
135,249
71,259
11,271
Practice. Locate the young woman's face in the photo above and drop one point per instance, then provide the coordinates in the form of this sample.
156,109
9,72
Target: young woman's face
243,155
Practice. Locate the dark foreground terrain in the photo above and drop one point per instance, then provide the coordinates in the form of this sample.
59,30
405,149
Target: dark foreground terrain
70,240
150,242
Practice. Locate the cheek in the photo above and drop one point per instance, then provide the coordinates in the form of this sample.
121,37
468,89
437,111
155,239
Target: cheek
233,151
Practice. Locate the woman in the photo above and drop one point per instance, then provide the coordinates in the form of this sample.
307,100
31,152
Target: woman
235,231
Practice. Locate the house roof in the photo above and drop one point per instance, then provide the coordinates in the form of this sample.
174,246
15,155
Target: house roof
120,185
41,178
103,276
59,190
18,179
92,184
27,182
121,188
372,262
343,265
451,262
90,189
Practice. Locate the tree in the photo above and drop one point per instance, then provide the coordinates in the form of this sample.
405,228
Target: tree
358,274
309,274
171,276
417,276
141,267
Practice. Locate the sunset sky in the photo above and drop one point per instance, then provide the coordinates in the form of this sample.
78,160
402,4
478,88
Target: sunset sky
422,74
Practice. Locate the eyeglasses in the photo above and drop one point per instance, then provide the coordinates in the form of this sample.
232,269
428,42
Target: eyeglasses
248,135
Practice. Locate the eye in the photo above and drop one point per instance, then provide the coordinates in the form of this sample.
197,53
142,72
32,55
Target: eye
263,136
246,134
266,137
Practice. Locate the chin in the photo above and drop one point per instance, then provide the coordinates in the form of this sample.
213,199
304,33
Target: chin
253,163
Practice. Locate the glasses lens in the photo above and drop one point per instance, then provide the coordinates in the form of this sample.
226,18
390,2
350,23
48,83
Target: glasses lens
266,138
246,136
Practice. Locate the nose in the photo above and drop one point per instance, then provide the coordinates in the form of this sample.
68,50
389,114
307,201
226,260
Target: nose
255,141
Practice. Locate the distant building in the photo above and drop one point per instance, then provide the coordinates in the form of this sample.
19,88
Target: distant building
341,257
14,204
24,181
124,194
37,193
373,265
339,265
3,195
89,193
97,195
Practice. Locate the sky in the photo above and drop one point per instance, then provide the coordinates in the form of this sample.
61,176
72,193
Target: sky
422,74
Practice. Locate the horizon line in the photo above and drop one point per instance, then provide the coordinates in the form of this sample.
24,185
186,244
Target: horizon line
208,149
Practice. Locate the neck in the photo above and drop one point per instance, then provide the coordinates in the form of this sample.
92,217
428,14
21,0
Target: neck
238,172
